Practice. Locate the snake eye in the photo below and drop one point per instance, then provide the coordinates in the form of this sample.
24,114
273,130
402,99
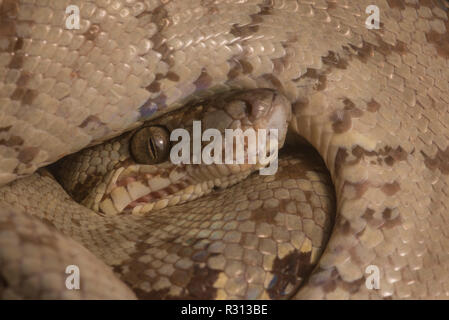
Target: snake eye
150,145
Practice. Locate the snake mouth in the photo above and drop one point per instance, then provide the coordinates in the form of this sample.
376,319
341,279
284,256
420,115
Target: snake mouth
140,189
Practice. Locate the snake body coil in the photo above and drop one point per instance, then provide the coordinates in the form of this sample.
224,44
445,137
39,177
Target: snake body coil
372,101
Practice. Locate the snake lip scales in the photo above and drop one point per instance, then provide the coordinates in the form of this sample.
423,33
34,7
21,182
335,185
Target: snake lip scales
372,100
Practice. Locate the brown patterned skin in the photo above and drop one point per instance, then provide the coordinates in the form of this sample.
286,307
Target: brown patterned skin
110,180
374,103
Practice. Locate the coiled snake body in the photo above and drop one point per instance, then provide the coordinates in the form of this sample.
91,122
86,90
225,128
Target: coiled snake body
372,102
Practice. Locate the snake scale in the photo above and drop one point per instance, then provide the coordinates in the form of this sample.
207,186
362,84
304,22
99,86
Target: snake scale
372,102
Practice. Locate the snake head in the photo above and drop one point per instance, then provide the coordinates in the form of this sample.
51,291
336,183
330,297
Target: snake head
142,170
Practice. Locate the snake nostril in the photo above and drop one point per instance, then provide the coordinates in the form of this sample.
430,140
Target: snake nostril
257,111
254,109
238,109
260,106
254,104
248,106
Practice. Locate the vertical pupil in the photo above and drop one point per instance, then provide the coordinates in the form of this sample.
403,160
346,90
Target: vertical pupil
152,148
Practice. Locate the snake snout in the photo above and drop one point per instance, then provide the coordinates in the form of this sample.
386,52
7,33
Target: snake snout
280,116
266,109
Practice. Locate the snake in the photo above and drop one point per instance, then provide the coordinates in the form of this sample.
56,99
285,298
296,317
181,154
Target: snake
357,209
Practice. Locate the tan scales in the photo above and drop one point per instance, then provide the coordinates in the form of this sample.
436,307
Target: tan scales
374,103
